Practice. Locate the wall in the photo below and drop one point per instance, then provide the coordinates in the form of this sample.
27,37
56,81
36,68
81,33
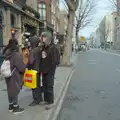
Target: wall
32,3
63,22
117,45
55,15
102,31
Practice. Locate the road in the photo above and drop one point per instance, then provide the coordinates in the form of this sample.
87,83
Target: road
94,90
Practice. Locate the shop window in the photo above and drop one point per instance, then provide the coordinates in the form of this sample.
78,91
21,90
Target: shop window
12,19
42,11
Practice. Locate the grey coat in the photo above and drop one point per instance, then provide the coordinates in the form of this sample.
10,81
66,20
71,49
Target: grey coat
34,59
15,82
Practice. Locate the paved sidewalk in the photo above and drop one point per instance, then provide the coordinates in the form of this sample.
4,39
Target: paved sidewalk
25,97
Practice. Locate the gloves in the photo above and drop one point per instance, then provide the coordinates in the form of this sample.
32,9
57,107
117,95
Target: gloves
29,66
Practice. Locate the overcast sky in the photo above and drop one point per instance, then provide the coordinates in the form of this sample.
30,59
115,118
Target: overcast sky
101,10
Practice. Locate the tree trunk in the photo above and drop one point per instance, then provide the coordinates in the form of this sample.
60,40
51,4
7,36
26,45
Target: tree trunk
77,37
66,60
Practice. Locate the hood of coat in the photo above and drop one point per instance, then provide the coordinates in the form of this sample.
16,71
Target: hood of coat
34,42
9,53
46,38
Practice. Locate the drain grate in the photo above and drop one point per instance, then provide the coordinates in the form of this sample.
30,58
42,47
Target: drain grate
74,98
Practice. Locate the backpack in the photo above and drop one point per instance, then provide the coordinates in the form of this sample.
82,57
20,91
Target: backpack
6,69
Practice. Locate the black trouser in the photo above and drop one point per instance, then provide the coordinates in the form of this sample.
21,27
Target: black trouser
37,96
48,86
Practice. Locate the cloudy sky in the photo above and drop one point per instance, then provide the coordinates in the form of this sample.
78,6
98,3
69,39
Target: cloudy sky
102,9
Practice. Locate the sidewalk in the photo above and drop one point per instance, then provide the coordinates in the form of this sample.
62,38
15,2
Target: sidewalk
25,97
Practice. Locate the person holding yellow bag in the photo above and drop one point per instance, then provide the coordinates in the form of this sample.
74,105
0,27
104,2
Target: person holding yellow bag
33,64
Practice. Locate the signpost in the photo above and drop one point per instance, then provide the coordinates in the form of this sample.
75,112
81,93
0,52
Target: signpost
82,38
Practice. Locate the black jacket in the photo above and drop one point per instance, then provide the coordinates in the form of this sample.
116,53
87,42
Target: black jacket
51,58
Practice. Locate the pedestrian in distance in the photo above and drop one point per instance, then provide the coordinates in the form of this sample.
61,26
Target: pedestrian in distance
14,82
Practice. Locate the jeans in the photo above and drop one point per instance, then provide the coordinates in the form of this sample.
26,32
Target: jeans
13,100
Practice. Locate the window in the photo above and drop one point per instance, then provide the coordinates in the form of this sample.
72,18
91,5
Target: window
52,21
12,19
52,10
42,11
1,17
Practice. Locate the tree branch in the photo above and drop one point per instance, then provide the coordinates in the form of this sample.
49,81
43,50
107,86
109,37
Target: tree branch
84,14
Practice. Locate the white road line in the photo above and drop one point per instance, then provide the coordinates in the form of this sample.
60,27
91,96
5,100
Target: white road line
91,63
118,70
92,60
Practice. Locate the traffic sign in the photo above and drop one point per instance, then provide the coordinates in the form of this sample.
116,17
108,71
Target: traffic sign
82,38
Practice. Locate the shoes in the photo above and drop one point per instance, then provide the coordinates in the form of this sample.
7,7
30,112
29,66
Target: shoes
43,103
49,105
34,103
11,108
18,110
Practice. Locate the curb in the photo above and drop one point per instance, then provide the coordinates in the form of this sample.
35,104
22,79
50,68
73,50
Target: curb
57,107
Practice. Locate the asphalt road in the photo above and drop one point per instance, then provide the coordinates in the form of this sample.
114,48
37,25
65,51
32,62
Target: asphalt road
94,90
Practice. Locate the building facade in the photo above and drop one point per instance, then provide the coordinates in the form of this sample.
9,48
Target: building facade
63,22
108,31
16,18
102,32
10,18
55,16
32,3
44,8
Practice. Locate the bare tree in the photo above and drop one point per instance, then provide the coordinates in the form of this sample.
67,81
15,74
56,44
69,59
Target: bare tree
84,15
114,5
72,7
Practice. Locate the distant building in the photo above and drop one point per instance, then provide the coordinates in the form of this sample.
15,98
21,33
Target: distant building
108,31
63,25
55,18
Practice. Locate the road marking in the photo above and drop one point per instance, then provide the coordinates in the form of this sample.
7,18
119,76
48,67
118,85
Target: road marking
91,63
118,70
91,60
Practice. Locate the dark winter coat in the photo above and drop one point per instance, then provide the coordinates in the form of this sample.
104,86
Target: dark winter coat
51,60
34,56
15,82
34,59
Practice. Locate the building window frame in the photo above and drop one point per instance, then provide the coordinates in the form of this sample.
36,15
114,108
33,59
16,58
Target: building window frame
42,10
12,20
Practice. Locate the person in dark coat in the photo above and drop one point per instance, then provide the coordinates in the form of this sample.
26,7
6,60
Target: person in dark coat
33,63
50,60
15,82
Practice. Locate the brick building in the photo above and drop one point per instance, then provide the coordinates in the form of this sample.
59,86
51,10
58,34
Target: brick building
49,14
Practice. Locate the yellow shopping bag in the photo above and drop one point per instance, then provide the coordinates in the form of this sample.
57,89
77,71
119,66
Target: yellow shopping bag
30,78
